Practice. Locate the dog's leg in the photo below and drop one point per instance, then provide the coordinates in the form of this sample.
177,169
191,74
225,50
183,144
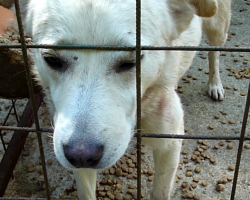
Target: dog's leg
215,88
216,30
166,160
86,183
163,115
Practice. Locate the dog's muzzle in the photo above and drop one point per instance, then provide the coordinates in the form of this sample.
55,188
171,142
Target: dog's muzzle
83,154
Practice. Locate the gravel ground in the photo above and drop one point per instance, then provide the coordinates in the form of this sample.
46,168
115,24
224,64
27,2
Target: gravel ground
203,163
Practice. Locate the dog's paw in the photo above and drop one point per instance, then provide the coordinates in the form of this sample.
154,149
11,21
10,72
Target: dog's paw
216,92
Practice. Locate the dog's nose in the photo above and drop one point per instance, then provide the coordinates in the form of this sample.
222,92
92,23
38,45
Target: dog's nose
83,154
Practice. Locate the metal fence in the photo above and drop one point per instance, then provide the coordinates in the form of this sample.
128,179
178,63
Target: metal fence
35,100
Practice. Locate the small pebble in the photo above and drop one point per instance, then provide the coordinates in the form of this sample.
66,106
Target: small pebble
247,146
105,172
196,179
223,112
184,152
211,127
220,187
131,186
217,116
204,183
230,146
229,178
112,170
189,174
243,94
184,184
193,185
231,121
150,178
221,143
200,68
180,90
118,172
212,160
190,169
179,176
49,162
196,197
197,169
231,167
150,172
223,121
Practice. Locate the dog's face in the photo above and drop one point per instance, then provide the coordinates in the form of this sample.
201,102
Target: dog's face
93,93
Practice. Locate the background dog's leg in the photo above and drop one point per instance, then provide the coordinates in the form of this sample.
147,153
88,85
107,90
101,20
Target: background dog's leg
215,88
162,113
216,29
86,183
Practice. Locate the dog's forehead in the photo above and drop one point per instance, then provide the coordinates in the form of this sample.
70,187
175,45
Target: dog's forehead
97,22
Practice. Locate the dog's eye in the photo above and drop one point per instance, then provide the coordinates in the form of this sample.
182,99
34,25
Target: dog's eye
125,67
54,62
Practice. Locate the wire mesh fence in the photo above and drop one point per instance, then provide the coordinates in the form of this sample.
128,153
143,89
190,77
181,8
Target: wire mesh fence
34,102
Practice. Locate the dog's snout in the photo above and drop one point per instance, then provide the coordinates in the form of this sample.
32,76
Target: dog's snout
83,154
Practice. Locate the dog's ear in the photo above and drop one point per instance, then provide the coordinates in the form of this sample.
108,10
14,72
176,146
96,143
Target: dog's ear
182,14
205,8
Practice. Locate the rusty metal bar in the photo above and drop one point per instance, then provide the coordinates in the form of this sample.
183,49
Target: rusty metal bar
129,48
31,92
138,95
148,135
6,119
19,198
13,128
16,145
240,146
14,107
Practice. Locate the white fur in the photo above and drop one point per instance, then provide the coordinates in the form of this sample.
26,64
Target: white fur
90,100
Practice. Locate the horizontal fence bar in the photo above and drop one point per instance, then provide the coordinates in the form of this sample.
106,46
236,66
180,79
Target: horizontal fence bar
17,198
13,128
130,48
146,135
173,136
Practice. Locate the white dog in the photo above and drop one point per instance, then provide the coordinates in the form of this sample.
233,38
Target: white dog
92,93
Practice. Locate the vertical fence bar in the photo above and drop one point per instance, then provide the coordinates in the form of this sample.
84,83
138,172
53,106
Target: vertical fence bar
138,94
31,92
241,141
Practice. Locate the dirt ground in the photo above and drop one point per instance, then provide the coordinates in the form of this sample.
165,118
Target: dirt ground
197,178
